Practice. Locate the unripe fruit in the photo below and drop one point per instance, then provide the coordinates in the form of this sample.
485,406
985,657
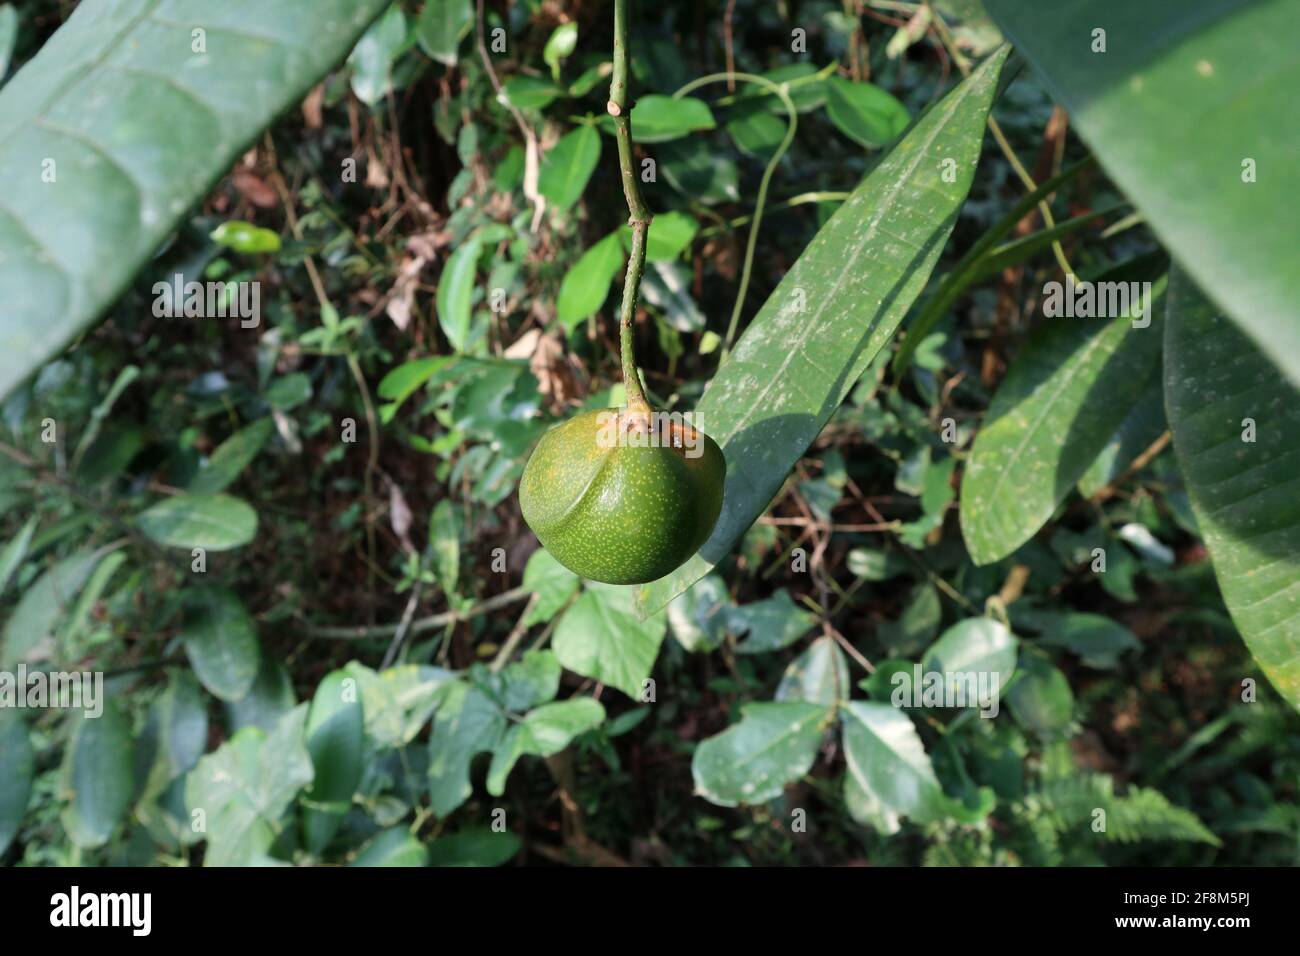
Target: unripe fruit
623,496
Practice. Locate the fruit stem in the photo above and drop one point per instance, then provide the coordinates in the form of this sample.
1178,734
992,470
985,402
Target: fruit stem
638,212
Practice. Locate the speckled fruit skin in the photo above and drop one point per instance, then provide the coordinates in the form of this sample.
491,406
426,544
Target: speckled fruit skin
620,515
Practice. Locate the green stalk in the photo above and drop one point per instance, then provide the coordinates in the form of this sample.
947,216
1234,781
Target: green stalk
638,212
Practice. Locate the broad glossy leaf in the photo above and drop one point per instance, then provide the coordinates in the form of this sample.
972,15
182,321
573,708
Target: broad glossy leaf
602,637
666,286
44,604
551,582
467,723
698,172
221,642
139,127
839,304
754,760
372,60
888,773
657,119
393,847
770,624
530,682
99,771
1095,638
245,787
441,26
529,92
698,616
568,166
398,702
180,718
670,233
336,741
542,733
586,285
1206,86
18,761
476,846
269,699
1246,494
864,112
1066,393
456,293
820,675
1041,698
214,522
231,457
977,645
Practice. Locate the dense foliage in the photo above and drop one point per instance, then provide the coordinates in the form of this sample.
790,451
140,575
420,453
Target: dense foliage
293,546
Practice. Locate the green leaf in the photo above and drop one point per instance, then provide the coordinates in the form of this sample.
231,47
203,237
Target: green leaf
336,741
551,582
15,552
213,522
99,770
467,723
836,307
269,699
977,645
44,603
560,46
820,675
917,624
221,642
1067,392
888,773
657,119
669,236
1219,389
400,383
771,624
698,172
529,92
1206,87
752,762
231,457
586,284
756,131
444,542
873,564
288,392
568,166
666,286
440,27
394,846
600,636
19,763
245,787
476,846
160,134
1144,423
245,238
456,293
398,702
180,719
864,112
1097,640
525,684
698,616
1041,698
542,733
373,57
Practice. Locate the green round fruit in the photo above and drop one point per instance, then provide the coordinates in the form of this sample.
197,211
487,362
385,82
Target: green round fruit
621,496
